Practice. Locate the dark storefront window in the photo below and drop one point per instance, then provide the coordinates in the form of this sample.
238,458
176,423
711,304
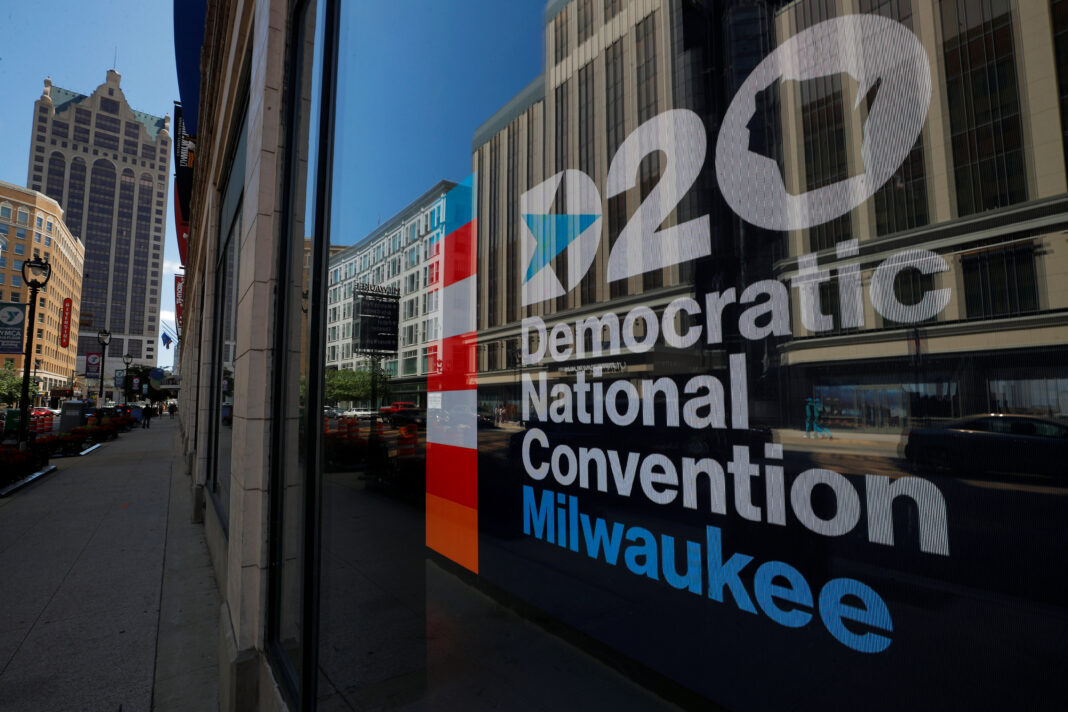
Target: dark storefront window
726,328
291,580
224,373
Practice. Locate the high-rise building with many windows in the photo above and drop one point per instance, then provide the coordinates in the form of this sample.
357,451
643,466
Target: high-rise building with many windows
31,225
107,165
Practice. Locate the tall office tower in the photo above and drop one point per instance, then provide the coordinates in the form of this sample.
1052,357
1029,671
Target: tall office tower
107,166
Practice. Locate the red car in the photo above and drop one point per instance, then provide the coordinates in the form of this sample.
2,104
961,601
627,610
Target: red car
386,412
393,407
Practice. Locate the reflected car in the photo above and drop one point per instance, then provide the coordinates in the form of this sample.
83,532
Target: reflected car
408,416
992,443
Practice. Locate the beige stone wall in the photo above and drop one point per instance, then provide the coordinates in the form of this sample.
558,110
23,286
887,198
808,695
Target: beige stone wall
246,42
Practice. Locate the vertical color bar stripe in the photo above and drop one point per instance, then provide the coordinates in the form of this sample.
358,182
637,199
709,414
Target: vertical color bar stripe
456,475
460,246
454,421
452,395
459,204
458,308
452,530
458,368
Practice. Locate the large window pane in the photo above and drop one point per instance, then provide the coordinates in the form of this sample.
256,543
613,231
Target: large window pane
660,335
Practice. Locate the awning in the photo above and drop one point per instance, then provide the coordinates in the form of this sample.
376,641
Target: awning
189,16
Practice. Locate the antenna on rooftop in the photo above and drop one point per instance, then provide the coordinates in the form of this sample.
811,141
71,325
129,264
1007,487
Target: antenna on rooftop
115,58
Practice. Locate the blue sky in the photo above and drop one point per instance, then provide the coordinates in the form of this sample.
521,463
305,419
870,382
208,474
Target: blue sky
417,78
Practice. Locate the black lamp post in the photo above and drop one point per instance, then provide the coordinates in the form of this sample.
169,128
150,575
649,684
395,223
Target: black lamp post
36,365
127,359
35,273
103,337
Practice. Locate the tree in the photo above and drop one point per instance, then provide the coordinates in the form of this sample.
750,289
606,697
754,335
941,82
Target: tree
11,385
346,385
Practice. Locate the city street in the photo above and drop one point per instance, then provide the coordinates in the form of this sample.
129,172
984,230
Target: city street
108,602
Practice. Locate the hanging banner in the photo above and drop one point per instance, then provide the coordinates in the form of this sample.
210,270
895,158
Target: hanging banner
184,150
12,326
120,377
179,298
92,365
64,329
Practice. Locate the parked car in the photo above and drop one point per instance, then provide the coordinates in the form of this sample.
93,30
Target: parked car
387,411
408,416
394,406
992,444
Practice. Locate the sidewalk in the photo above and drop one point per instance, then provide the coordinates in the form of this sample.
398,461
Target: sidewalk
889,445
107,599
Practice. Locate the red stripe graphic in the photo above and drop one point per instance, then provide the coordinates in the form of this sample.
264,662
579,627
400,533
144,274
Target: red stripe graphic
451,470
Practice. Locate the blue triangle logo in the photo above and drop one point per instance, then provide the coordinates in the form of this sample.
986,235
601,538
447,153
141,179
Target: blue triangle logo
553,233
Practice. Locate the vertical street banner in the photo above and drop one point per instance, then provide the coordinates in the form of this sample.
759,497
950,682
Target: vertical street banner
184,150
179,298
64,329
120,377
12,326
92,365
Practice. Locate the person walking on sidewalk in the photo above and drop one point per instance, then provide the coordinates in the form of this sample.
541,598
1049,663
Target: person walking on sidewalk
172,408
817,413
146,416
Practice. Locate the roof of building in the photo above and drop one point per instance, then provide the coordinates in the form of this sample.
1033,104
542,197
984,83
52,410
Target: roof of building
528,97
62,99
554,8
438,189
33,195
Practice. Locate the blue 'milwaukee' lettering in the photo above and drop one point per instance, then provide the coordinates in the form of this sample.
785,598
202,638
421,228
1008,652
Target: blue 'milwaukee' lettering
780,590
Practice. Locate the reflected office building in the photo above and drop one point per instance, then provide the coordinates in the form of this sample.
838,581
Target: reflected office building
739,346
397,255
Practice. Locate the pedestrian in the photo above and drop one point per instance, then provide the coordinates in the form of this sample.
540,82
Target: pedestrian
171,409
146,416
817,408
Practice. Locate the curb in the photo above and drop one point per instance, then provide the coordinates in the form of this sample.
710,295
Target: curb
14,487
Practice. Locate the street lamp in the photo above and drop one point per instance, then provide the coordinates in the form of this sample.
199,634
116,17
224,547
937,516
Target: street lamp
127,359
103,337
35,273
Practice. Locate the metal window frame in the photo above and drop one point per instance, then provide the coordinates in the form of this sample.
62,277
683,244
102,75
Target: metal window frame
302,690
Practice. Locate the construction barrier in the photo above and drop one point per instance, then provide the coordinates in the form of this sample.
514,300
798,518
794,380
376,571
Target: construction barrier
406,441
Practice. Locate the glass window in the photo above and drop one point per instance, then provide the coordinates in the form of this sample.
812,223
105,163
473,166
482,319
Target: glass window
745,347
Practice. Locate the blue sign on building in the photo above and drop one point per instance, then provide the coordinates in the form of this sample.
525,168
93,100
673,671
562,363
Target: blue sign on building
12,326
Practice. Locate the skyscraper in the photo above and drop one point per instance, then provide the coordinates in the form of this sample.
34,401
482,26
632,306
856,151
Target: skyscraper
107,166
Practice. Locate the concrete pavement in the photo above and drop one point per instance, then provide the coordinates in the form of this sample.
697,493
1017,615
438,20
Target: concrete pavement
107,600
